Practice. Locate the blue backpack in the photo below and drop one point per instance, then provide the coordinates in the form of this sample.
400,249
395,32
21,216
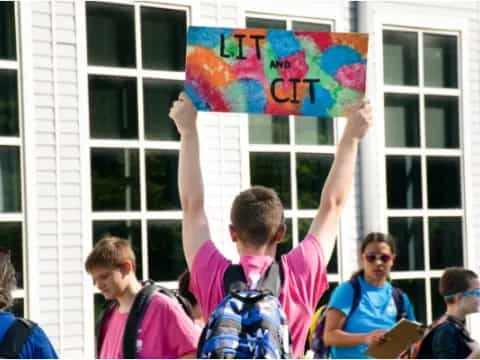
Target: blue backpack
322,351
247,323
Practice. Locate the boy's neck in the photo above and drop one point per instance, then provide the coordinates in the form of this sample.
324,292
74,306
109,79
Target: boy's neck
125,301
261,251
455,311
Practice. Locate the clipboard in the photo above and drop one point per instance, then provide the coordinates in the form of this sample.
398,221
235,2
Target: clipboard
403,334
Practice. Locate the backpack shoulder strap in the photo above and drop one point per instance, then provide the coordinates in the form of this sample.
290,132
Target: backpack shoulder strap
234,278
423,347
135,316
271,280
104,314
399,302
15,337
357,295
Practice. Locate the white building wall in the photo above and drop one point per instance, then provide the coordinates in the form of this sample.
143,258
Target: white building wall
54,86
52,133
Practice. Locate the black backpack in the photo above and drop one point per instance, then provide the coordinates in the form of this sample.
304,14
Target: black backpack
135,316
15,337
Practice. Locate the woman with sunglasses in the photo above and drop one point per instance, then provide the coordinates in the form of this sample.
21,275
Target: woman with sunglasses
460,289
19,338
357,318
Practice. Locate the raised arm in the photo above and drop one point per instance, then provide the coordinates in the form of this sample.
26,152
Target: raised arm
195,228
340,178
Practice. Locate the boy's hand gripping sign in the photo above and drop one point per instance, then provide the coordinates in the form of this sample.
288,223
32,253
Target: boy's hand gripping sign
276,72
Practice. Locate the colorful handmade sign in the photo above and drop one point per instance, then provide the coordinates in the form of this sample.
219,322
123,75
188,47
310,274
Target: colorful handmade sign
275,71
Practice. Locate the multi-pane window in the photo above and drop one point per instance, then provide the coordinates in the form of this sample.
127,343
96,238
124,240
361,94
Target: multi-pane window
292,154
11,208
425,210
132,82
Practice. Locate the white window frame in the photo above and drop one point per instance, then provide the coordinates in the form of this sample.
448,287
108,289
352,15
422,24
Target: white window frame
373,19
18,141
191,8
140,144
331,15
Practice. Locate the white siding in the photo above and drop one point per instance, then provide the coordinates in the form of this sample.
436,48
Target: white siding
57,174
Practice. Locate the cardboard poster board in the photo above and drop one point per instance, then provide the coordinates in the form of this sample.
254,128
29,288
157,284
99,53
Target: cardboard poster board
400,337
278,72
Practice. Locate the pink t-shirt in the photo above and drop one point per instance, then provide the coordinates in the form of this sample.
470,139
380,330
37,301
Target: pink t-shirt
165,332
305,280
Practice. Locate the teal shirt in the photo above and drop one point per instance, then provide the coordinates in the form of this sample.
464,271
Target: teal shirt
376,310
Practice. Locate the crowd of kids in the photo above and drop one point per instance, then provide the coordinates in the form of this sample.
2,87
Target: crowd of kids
260,307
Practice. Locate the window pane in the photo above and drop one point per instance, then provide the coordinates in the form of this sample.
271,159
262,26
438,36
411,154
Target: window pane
113,107
306,26
400,58
268,129
8,103
303,227
443,176
408,234
10,184
163,29
287,244
441,121
438,304
415,290
312,171
440,60
125,229
272,170
11,238
18,308
165,253
266,23
7,31
162,189
158,96
110,34
402,120
115,179
404,189
311,130
445,242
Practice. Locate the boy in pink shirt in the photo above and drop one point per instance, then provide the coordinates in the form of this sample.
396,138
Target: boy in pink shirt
257,226
165,330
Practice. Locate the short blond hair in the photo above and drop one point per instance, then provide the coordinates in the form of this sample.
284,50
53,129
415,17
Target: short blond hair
110,252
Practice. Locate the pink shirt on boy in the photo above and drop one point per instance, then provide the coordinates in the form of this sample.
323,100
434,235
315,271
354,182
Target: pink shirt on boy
165,332
305,280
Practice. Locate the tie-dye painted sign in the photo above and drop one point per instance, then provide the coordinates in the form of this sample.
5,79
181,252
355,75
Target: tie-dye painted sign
275,71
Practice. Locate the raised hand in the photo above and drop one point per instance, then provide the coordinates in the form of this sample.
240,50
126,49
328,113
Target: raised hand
360,119
184,114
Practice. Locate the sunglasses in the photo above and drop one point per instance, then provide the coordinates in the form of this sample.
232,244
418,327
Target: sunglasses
474,292
372,257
